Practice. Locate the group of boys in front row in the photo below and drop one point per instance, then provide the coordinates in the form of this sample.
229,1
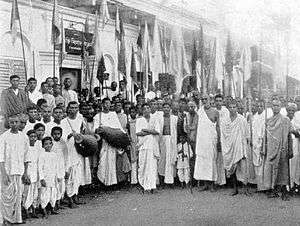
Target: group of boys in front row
40,165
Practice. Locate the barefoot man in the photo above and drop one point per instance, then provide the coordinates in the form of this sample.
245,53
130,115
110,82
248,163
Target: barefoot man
235,146
207,144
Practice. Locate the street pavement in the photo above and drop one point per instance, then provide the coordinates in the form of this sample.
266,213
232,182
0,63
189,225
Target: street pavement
177,207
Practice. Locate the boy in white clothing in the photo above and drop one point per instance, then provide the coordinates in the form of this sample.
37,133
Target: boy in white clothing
30,194
61,149
48,173
183,155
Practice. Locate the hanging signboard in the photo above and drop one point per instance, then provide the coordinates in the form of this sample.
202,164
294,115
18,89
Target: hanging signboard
74,41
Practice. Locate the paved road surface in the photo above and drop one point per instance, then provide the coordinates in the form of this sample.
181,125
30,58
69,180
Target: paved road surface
178,207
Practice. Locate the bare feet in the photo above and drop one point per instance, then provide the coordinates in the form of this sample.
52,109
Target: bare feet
204,188
285,197
273,195
234,193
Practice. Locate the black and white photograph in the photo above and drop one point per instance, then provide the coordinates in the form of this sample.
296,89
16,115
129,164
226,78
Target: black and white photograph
150,112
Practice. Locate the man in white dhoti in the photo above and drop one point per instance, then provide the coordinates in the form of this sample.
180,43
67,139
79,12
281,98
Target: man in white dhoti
235,146
107,160
223,117
258,131
167,146
133,145
208,136
295,161
123,165
13,167
147,131
78,167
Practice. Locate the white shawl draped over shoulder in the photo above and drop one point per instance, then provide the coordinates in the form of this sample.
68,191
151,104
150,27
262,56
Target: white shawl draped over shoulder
206,151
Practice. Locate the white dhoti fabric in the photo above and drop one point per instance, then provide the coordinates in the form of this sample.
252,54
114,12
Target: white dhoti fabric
107,173
206,149
48,195
147,171
184,175
74,180
61,189
86,171
166,163
11,197
295,161
30,195
134,179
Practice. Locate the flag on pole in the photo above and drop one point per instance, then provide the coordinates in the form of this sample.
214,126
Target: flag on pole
201,59
117,26
194,58
62,53
55,25
86,24
163,45
211,68
101,69
228,67
14,18
146,54
121,54
96,50
139,41
104,13
156,53
133,73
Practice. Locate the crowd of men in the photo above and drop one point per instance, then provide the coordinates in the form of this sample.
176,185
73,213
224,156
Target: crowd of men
190,140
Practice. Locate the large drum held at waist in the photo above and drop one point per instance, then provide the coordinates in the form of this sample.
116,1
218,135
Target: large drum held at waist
115,137
86,145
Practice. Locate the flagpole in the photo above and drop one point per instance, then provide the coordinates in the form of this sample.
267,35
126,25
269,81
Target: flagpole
33,63
82,56
23,50
118,52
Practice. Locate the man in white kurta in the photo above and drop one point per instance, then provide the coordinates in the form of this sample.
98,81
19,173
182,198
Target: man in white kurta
107,160
147,131
78,167
13,165
168,145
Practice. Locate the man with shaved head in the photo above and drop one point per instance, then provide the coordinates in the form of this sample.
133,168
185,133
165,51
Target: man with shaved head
277,153
207,144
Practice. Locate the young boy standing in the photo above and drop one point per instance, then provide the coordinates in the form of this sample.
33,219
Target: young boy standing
48,173
13,166
30,194
183,156
40,132
60,148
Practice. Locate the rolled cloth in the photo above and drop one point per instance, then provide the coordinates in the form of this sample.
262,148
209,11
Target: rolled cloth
115,137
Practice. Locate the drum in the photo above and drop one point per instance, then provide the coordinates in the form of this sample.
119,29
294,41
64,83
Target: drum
115,137
86,145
